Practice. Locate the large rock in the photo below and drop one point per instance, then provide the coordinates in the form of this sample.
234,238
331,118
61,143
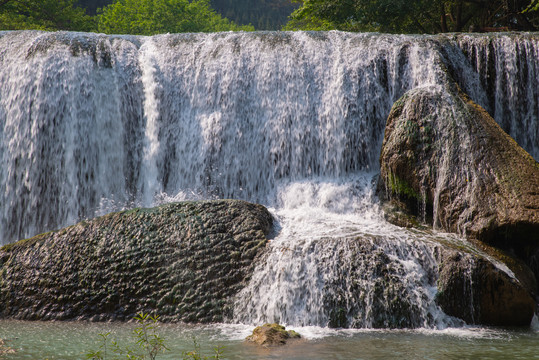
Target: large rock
183,261
445,160
478,291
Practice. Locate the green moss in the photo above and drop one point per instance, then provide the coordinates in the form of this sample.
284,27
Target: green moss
400,187
272,330
411,129
293,334
26,242
396,110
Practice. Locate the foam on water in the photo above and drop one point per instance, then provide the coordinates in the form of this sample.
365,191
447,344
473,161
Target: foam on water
239,332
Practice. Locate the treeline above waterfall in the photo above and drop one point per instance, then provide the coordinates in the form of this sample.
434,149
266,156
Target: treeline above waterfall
417,16
149,17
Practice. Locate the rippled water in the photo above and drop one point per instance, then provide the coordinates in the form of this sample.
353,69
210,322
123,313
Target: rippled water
66,340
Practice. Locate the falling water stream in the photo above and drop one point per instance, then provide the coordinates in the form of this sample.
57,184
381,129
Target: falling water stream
92,124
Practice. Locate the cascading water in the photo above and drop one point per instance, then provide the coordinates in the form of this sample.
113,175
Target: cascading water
507,68
337,263
94,123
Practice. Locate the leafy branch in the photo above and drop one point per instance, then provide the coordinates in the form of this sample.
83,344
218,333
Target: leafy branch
148,344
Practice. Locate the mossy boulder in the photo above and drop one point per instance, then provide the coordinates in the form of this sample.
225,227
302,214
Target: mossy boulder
272,335
445,161
184,261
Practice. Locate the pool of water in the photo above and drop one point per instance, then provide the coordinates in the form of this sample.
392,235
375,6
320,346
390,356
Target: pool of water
73,340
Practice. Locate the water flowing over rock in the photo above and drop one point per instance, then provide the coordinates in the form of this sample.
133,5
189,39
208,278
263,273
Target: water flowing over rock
447,160
183,261
475,290
506,72
91,123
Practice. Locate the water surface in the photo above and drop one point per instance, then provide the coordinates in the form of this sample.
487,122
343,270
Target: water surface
72,340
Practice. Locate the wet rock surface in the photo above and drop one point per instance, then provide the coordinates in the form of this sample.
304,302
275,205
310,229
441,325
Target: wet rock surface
446,161
472,288
183,261
272,335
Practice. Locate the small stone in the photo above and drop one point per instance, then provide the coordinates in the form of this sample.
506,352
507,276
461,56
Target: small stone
272,335
5,350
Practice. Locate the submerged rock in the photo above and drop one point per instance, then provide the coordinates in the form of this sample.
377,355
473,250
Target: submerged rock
446,161
272,335
183,261
5,350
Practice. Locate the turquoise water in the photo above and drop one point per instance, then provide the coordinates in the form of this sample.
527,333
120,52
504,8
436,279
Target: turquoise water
72,340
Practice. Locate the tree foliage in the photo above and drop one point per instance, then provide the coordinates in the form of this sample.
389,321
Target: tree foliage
44,15
149,17
534,6
262,14
419,16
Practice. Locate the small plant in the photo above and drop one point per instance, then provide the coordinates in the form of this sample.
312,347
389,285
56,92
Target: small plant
102,352
148,344
197,355
5,350
147,337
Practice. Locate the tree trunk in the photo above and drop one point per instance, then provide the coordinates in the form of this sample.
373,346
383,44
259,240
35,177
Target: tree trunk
443,18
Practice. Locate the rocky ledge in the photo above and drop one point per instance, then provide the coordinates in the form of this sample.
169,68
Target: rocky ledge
480,290
183,261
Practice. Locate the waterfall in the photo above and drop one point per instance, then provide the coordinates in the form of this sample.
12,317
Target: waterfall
335,263
93,123
151,111
506,75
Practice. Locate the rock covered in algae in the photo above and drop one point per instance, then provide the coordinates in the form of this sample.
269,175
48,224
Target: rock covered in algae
183,261
272,335
446,160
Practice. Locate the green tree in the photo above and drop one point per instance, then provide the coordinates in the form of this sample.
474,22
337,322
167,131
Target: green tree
409,16
149,17
44,15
